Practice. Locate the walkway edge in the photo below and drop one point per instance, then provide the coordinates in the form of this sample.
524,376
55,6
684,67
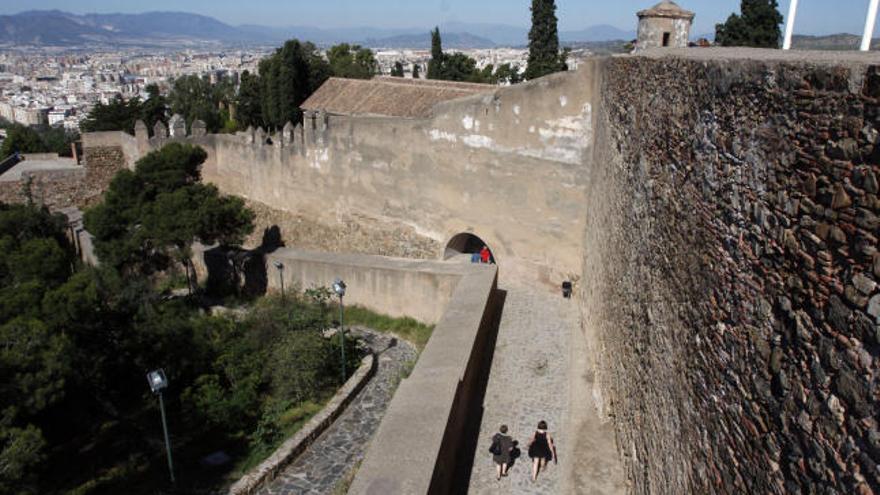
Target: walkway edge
300,441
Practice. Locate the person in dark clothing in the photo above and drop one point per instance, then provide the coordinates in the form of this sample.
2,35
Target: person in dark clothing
503,445
541,449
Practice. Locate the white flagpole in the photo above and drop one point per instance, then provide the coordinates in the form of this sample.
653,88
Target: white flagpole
789,24
869,25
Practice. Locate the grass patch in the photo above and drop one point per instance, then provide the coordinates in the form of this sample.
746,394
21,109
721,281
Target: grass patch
290,422
406,328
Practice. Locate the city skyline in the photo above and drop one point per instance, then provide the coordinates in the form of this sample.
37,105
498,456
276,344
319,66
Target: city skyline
814,16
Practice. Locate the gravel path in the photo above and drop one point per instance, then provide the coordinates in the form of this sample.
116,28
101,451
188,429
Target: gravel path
344,443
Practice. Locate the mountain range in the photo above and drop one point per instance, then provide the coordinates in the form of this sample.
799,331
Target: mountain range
178,29
58,28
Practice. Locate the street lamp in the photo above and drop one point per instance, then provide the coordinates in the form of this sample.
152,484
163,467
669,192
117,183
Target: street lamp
158,382
280,266
339,289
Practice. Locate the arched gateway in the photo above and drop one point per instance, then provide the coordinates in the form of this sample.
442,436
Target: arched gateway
466,243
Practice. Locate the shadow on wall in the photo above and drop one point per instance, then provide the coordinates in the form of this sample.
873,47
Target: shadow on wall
240,271
466,243
471,432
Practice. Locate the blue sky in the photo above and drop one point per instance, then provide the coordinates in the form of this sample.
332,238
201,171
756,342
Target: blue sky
814,16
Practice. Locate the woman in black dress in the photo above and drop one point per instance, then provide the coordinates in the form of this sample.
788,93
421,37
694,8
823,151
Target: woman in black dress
504,445
541,449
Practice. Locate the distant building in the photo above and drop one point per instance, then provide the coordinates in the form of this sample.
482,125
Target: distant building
31,116
57,115
664,25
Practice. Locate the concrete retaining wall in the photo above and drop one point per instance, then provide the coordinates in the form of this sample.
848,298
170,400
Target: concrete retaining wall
421,438
392,286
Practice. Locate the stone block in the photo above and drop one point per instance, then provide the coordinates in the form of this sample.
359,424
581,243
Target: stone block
864,283
199,128
177,126
140,130
287,134
840,199
259,136
874,307
159,130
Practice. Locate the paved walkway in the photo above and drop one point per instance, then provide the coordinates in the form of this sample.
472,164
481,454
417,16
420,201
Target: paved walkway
539,373
339,448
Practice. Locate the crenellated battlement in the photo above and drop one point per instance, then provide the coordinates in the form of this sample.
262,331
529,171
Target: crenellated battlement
314,134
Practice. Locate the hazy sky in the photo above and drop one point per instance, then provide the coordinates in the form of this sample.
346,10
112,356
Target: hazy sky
814,16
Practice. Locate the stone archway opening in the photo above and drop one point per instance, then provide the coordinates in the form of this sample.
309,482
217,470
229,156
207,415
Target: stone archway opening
466,244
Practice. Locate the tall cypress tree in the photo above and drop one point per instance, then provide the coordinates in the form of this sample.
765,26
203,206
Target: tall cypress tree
544,56
435,65
287,78
758,26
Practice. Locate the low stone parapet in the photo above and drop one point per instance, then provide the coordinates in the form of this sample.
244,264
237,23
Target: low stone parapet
418,447
299,442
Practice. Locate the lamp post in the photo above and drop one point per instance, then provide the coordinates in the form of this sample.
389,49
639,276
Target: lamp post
158,382
339,289
280,266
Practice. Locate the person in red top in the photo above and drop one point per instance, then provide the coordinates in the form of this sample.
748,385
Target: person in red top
484,255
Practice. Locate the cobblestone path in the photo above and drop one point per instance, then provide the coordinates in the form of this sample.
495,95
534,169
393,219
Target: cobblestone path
531,380
344,443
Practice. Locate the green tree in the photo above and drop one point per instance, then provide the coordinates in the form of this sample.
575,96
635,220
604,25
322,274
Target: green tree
544,55
117,115
505,73
44,139
460,67
758,26
352,61
397,70
248,111
151,216
155,108
34,364
22,139
195,98
21,452
57,140
454,67
416,70
287,78
438,58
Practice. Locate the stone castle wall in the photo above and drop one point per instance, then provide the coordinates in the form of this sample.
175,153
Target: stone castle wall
58,189
718,213
508,166
730,272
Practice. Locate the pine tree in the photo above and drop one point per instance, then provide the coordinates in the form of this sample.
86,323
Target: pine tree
544,55
397,70
758,26
435,65
416,71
